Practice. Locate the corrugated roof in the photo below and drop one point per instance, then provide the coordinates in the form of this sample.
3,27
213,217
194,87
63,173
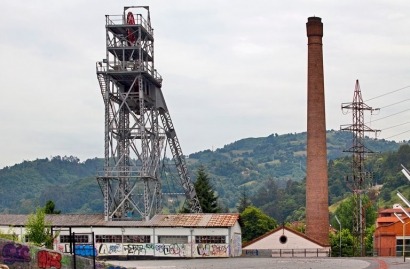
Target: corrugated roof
9,219
178,220
392,210
387,219
222,220
195,220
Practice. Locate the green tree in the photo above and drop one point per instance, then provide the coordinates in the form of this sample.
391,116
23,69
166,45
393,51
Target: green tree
206,195
38,230
347,243
369,239
10,235
346,214
50,208
244,201
255,223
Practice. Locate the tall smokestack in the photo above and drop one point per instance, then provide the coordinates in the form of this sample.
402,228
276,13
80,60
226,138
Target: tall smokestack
317,213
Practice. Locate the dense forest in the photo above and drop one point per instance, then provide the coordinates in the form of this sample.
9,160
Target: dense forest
67,181
270,170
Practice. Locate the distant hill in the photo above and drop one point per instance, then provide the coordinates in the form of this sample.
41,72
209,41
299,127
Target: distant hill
249,163
274,164
71,184
279,156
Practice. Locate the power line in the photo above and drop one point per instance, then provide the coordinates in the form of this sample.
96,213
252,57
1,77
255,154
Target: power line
396,103
398,134
396,126
388,93
391,115
388,116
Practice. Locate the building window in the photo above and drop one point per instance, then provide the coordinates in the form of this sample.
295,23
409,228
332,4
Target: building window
108,239
399,247
64,239
137,239
81,238
122,239
172,239
214,239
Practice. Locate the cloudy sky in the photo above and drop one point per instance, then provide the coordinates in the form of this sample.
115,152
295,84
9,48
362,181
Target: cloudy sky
232,69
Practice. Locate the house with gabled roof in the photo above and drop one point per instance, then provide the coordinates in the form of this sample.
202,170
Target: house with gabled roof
285,242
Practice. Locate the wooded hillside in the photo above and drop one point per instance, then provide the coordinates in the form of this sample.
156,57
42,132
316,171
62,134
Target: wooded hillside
270,169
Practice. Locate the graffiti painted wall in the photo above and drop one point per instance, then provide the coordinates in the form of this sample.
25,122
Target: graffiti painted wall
143,249
212,250
149,249
237,244
21,256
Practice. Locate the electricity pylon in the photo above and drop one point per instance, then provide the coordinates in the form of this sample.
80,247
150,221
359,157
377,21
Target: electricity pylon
359,183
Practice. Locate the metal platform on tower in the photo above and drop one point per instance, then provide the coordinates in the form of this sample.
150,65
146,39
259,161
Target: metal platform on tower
138,124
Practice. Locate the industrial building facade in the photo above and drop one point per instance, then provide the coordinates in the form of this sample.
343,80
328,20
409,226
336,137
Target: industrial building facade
179,236
392,237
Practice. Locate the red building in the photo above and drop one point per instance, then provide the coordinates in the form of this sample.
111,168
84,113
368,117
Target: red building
388,237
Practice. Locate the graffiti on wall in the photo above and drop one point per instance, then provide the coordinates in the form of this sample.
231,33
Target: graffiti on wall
145,249
212,250
134,249
19,256
251,252
150,249
110,249
12,252
65,248
85,250
47,259
171,249
237,244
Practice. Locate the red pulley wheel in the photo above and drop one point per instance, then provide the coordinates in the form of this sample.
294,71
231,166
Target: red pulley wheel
130,34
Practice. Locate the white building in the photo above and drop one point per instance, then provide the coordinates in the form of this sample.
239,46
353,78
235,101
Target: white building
285,242
181,235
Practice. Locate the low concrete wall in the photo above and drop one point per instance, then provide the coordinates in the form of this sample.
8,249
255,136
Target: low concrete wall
257,253
16,255
285,253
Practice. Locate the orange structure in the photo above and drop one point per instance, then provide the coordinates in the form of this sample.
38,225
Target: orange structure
317,214
388,236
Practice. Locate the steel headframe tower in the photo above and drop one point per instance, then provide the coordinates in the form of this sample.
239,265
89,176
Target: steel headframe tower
137,121
359,183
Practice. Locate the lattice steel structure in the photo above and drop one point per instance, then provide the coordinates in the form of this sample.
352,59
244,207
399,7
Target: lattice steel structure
359,183
137,121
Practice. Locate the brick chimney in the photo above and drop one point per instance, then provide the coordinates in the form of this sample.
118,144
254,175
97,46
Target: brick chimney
317,212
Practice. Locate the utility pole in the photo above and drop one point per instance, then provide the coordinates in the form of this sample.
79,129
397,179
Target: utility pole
358,150
340,236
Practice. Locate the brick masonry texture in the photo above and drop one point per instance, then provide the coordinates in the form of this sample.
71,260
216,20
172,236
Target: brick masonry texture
317,215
